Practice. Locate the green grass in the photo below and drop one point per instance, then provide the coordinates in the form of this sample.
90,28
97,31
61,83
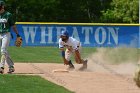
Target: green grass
52,54
41,54
28,84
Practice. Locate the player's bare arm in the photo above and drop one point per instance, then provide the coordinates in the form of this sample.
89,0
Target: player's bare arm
15,29
18,41
77,54
63,56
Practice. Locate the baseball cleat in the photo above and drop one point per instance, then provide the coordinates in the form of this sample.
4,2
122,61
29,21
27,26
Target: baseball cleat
11,70
1,70
84,65
71,66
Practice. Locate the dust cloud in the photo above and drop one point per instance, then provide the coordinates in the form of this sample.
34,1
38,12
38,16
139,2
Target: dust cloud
113,60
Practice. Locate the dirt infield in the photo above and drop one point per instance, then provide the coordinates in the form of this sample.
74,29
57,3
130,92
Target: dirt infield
100,79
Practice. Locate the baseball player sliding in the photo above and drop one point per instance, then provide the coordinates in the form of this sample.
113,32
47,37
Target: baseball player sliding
72,47
6,22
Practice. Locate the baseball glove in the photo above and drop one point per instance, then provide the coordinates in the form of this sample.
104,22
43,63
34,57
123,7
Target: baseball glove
137,76
18,41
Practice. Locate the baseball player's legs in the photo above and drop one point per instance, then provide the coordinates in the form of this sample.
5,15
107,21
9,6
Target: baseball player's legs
84,62
9,60
2,60
1,68
4,53
68,54
77,60
75,57
3,56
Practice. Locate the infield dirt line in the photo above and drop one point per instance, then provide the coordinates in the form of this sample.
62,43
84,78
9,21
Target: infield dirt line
96,81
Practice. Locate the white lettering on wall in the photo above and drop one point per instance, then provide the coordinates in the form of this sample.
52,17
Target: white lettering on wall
114,33
97,34
29,32
44,34
51,34
75,33
87,31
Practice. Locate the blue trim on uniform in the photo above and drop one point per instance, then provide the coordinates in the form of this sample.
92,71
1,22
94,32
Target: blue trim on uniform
63,53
